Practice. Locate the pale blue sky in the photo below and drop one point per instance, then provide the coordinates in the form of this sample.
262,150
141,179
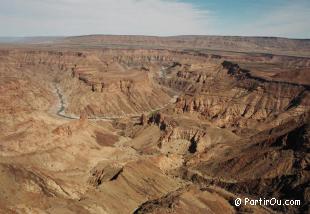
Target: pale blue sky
284,18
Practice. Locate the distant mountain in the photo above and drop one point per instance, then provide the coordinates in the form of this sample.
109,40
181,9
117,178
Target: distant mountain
268,45
30,40
274,45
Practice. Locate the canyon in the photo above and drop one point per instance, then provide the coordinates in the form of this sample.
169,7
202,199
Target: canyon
132,124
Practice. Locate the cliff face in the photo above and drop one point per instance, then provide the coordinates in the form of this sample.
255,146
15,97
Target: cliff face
272,163
230,96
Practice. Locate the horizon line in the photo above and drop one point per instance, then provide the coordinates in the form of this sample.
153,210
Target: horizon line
144,35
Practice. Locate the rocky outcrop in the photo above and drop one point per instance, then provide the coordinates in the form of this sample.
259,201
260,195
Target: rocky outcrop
67,129
194,137
160,120
143,120
171,132
101,174
63,130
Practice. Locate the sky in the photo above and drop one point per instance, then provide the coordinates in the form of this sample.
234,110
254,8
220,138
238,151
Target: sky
282,18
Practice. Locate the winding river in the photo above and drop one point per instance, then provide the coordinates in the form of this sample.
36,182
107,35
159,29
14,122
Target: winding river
62,107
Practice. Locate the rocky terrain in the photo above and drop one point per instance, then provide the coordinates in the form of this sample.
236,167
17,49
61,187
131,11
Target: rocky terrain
159,127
